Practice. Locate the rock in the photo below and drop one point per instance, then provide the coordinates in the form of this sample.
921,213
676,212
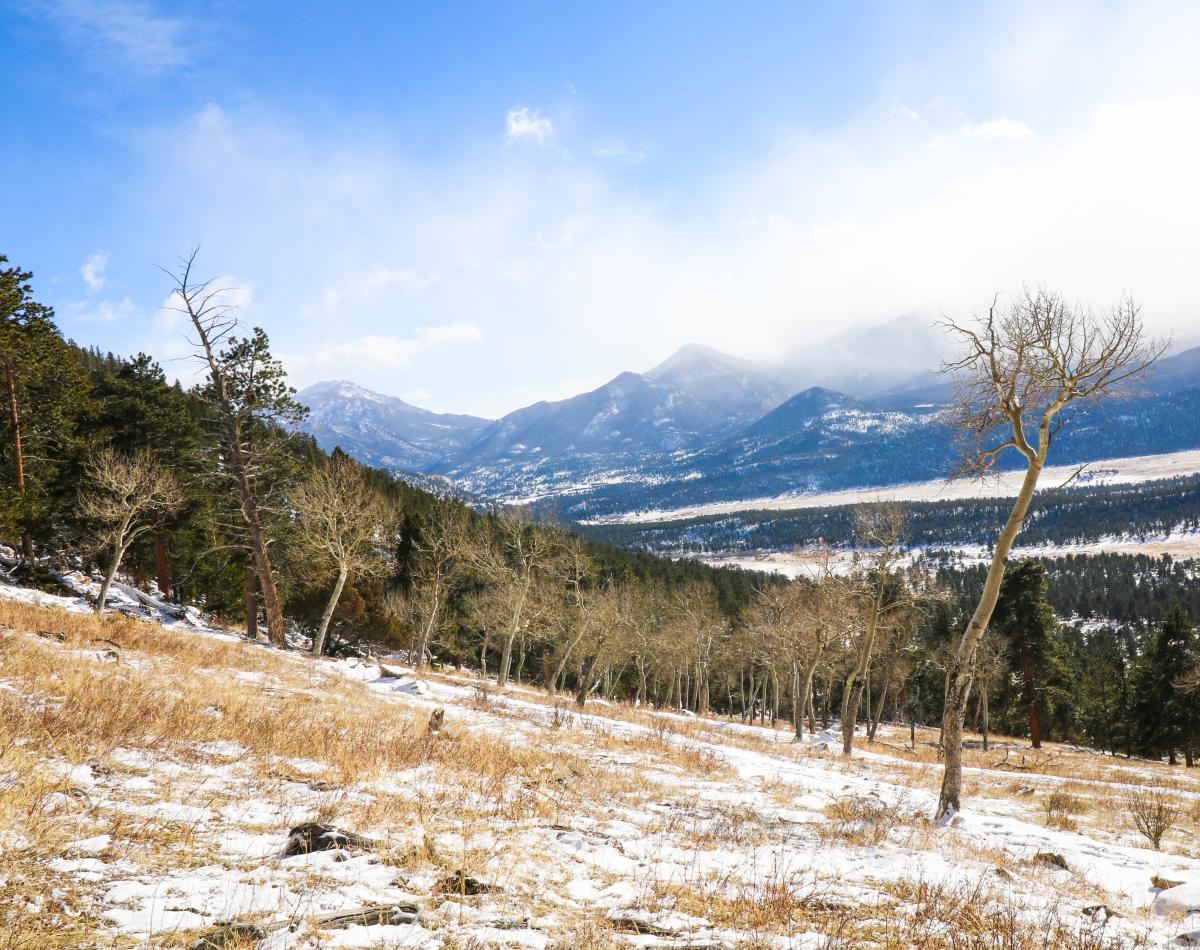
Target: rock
519,923
231,936
386,915
1002,874
392,672
459,883
1177,901
1049,857
320,785
343,650
635,924
313,836
1100,913
1026,790
1164,883
71,797
54,635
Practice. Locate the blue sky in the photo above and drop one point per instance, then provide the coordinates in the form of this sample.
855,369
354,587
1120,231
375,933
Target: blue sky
474,206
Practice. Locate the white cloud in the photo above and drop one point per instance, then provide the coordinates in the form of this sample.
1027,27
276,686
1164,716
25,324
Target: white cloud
101,311
1002,128
365,286
619,152
575,270
523,124
369,354
92,270
128,33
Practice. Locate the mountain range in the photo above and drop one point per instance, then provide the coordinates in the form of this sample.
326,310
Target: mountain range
866,408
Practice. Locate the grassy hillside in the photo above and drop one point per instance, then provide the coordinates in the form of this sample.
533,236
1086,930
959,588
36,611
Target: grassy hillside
152,775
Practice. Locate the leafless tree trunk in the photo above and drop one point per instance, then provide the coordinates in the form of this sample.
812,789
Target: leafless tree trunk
881,527
1031,362
14,416
344,526
213,321
122,495
251,602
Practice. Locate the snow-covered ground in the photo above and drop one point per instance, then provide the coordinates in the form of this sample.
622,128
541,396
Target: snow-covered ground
1180,545
1120,471
602,827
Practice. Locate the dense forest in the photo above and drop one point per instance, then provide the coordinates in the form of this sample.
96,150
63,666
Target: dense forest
209,495
1077,514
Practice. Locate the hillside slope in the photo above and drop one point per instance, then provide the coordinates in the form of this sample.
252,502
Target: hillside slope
153,776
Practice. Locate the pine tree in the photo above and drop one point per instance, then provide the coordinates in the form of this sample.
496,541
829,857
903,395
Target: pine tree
44,398
1103,697
1165,711
137,410
1024,616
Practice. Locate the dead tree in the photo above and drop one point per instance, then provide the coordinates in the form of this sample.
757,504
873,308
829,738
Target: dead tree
122,497
253,409
1024,371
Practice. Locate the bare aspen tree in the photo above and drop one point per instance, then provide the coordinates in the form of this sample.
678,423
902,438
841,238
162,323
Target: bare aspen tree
513,563
253,407
1024,369
694,613
609,615
880,529
344,527
824,612
579,574
644,631
123,496
444,544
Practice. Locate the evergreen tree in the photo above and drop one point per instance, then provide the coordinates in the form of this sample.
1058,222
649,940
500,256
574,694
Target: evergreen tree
137,410
1165,713
1103,695
44,394
1024,616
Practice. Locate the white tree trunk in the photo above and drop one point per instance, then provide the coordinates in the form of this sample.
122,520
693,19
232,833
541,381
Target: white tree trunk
318,644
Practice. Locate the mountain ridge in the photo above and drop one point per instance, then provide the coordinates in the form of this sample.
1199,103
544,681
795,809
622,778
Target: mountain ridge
705,426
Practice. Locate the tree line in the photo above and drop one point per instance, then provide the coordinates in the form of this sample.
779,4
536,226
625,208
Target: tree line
1076,514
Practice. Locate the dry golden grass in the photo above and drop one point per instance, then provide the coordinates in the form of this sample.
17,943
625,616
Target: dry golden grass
462,798
73,703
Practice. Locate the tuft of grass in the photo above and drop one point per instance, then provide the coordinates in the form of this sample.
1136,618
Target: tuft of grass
866,819
1061,809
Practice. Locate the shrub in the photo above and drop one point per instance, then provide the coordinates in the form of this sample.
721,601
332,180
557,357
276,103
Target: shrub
1152,813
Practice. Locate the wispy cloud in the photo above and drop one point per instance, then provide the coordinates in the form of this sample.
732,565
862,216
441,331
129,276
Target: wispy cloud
373,353
524,124
1002,128
100,311
92,270
767,252
619,152
366,285
128,33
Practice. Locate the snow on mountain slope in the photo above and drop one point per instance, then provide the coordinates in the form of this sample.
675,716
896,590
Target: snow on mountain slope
705,428
383,430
